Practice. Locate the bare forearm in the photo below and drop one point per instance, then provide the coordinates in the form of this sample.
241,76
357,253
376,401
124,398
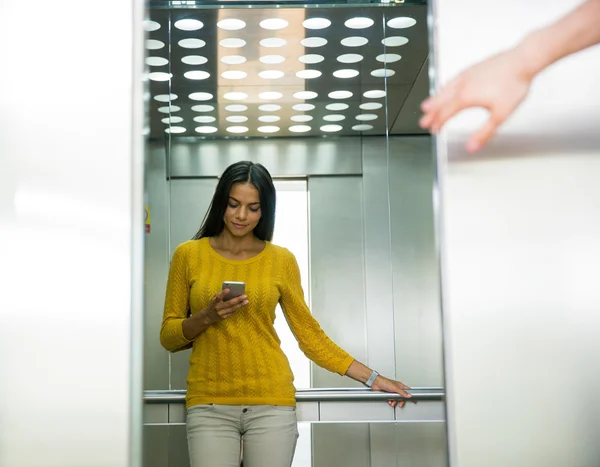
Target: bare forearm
194,326
359,372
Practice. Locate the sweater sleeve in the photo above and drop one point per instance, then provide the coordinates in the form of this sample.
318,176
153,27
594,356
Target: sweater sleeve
312,340
176,303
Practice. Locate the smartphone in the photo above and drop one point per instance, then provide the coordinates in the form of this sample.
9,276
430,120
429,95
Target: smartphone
235,289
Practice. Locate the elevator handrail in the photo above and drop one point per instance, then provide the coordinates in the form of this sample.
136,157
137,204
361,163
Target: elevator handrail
315,395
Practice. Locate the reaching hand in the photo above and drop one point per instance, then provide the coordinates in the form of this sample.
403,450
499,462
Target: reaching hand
498,84
218,310
387,385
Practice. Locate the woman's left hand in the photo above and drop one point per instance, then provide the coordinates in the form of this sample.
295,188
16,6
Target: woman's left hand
384,384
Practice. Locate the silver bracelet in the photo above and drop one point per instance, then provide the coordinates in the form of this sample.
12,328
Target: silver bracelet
371,379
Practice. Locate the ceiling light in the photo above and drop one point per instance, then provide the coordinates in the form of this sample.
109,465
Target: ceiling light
311,58
175,129
301,118
172,120
394,41
308,74
354,41
371,106
268,129
383,73
331,128
194,60
271,74
363,127
188,24
334,118
237,119
337,106
206,129
165,97
340,95
232,43
313,42
237,129
388,58
156,61
316,23
350,58
303,107
235,96
160,76
359,23
204,119
169,109
270,95
273,42
306,95
200,96
231,24
234,74
203,108
153,44
366,117
150,26
299,128
401,22
375,94
196,74
269,118
345,73
273,24
269,107
236,108
191,43
272,59
233,59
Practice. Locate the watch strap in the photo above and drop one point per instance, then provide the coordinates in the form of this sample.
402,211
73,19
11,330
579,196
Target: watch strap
372,379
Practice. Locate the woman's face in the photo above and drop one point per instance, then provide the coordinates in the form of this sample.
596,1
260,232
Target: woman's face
243,209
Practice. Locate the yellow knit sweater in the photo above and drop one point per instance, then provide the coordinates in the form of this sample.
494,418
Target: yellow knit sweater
239,361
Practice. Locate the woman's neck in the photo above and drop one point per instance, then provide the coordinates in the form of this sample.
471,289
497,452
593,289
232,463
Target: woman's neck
227,242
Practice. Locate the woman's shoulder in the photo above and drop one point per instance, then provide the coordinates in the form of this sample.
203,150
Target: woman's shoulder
281,251
190,245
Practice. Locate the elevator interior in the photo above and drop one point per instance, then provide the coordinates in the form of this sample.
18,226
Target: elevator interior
327,97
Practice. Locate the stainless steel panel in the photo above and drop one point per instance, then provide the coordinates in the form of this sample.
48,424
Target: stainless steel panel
415,444
356,412
156,446
340,445
521,250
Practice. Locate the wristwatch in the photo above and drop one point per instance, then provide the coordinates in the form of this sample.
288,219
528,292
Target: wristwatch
371,379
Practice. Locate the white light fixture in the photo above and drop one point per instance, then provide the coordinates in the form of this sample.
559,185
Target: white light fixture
188,24
394,41
313,42
273,42
366,117
299,128
232,43
269,107
331,128
274,24
340,95
334,118
204,119
355,41
200,96
371,106
172,120
363,127
383,73
191,43
345,73
308,74
388,58
236,108
270,95
268,129
237,129
175,129
301,118
160,76
202,108
156,61
233,59
234,74
305,95
150,26
271,74
235,96
231,24
272,59
359,23
269,118
196,75
337,107
401,22
350,58
303,107
165,97
206,129
237,119
169,109
311,58
153,44
374,94
194,60
316,23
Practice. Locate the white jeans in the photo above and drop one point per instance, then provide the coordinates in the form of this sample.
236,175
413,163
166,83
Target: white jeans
215,434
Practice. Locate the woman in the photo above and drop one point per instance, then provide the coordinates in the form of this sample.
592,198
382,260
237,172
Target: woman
240,381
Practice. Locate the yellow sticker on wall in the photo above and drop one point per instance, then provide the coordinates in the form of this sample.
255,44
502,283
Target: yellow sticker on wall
147,219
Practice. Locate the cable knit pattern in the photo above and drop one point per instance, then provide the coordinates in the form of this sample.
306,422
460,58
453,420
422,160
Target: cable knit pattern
239,361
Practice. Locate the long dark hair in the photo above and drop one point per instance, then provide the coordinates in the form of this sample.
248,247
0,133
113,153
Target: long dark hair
241,172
